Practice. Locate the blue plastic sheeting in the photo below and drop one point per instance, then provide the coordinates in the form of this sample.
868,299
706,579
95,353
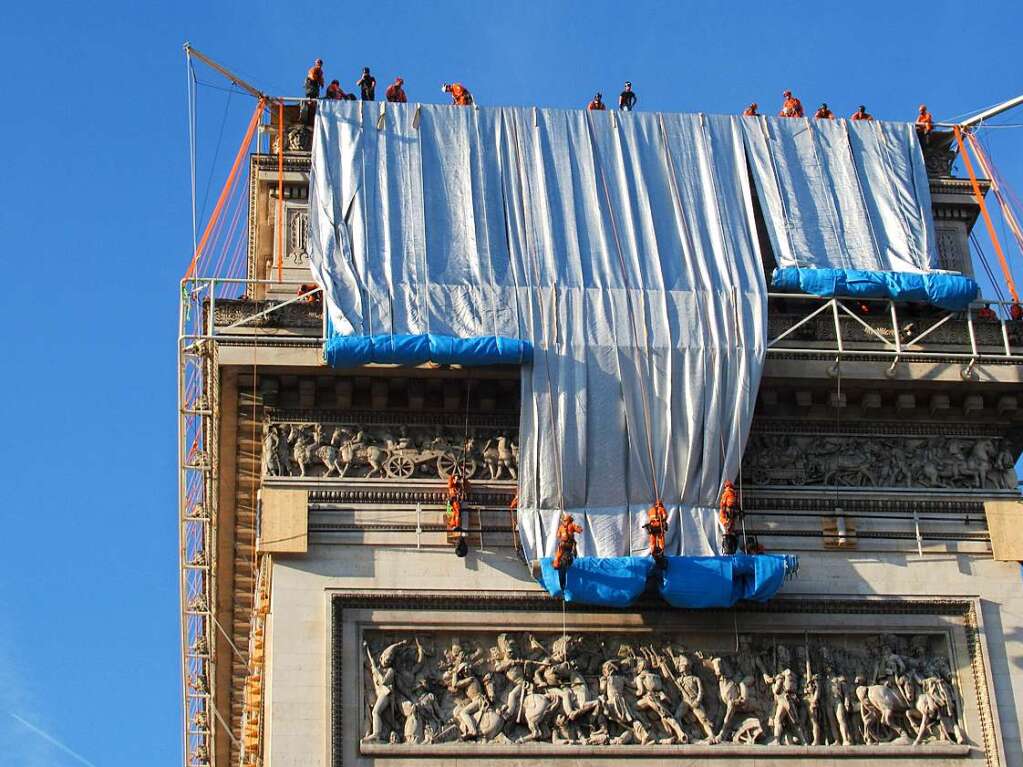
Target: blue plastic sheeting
723,581
949,291
693,582
609,582
353,351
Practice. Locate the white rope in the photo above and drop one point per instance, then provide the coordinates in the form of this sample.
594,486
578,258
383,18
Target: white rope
189,82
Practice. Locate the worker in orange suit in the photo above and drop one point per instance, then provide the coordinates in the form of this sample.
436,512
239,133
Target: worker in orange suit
728,507
460,96
791,106
823,113
566,542
861,114
597,105
924,125
395,93
751,111
657,528
313,83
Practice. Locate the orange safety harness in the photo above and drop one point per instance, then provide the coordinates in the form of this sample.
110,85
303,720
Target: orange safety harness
728,516
458,490
657,528
566,542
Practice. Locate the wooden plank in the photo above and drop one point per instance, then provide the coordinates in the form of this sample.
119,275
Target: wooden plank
1005,526
284,521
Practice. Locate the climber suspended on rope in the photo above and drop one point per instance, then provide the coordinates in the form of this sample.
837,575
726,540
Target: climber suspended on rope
657,528
566,542
458,490
728,516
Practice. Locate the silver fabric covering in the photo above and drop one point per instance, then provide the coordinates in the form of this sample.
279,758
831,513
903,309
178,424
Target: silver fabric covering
842,194
623,246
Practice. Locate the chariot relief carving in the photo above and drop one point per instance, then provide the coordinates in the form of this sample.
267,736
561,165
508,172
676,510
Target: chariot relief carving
396,453
603,690
872,461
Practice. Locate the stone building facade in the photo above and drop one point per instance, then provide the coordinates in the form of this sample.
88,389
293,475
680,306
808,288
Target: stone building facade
882,454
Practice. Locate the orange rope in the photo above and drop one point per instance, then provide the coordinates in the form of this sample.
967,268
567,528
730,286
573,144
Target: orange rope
987,217
242,151
985,165
280,191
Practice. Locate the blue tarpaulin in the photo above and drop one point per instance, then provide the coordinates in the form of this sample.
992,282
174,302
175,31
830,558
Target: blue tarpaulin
607,581
405,349
723,581
693,582
947,290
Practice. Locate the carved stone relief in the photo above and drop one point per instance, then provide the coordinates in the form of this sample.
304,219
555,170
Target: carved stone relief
879,461
388,452
605,690
298,223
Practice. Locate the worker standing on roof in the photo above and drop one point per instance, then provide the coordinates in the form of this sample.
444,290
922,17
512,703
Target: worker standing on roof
368,85
395,93
460,96
597,105
861,114
313,83
924,124
627,98
334,91
823,113
791,106
751,111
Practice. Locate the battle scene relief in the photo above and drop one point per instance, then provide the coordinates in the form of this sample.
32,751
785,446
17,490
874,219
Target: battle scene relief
795,460
601,690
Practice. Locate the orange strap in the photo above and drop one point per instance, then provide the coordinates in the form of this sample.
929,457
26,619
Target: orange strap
280,191
985,165
987,217
242,150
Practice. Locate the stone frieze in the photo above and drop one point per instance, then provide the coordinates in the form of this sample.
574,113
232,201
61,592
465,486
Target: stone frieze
920,462
428,688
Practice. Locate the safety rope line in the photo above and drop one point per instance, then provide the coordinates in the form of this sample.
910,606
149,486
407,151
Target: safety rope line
192,149
242,153
978,195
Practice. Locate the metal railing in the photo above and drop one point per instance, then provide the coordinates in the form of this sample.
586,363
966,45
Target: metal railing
984,332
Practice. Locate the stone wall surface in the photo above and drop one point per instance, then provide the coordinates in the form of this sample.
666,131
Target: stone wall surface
300,672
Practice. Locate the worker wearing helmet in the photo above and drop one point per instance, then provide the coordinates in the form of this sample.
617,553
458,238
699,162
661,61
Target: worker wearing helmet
824,113
790,106
627,98
861,114
597,104
460,96
924,124
395,93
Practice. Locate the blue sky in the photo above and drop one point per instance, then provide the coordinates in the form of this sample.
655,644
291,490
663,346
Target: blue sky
96,227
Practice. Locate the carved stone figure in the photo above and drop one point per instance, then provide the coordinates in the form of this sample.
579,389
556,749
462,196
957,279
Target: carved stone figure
599,690
868,461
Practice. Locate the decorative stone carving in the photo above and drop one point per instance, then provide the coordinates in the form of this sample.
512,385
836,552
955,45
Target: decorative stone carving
858,461
298,138
392,453
596,689
938,153
298,224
